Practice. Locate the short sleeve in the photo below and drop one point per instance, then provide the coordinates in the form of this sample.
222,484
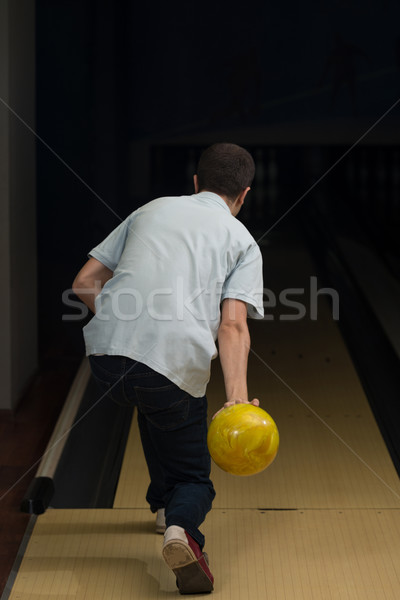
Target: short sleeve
245,282
109,251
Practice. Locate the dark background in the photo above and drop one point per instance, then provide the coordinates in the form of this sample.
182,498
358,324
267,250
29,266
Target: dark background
127,95
113,74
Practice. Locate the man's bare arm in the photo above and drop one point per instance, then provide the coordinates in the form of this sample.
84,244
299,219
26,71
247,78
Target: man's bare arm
90,280
234,347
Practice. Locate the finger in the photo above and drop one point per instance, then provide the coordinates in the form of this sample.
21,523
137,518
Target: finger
255,402
217,413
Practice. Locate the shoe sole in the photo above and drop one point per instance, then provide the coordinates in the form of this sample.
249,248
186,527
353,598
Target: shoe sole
191,578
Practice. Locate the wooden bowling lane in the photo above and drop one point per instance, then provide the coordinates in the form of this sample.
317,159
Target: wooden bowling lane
321,523
284,555
331,454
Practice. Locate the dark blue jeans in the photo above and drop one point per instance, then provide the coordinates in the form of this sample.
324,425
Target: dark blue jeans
173,431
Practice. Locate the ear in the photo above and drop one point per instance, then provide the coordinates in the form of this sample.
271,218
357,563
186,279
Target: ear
196,184
242,196
238,203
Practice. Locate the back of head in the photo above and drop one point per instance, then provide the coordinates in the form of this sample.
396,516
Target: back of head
225,169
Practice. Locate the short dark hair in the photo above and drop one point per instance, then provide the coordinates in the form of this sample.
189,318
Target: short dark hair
225,169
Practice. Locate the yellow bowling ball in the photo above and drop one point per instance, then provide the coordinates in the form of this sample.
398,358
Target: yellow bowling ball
243,439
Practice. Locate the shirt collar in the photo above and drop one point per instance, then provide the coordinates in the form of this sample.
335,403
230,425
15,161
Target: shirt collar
213,198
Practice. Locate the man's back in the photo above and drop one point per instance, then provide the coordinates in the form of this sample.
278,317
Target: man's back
172,260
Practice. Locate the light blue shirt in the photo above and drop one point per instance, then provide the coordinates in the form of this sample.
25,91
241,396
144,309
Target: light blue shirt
174,260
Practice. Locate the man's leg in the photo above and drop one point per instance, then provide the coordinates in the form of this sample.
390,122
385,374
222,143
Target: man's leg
156,491
177,431
174,429
190,490
176,445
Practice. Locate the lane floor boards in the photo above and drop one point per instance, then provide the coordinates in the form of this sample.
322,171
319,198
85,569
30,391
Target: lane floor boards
331,454
109,554
339,541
